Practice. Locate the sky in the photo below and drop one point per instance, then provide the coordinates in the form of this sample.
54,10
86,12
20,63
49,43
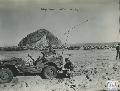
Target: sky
86,20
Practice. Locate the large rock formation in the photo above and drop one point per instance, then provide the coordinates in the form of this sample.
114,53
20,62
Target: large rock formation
39,40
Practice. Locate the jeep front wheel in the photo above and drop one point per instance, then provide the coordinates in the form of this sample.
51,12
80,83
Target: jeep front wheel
6,75
49,72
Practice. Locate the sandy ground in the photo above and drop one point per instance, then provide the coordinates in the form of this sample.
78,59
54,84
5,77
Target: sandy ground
93,70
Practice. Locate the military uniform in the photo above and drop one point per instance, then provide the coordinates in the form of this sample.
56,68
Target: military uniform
118,51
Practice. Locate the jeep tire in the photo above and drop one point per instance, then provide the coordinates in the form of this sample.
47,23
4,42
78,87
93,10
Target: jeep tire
6,75
49,72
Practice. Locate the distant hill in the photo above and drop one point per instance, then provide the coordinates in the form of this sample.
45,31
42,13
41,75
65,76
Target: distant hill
109,44
39,40
11,48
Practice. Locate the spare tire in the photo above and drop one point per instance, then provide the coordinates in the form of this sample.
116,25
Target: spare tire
6,75
49,72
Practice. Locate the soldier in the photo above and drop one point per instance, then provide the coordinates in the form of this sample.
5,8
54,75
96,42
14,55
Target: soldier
68,64
68,68
41,59
118,51
51,50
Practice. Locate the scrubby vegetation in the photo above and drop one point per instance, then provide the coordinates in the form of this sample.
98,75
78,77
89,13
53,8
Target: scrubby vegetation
12,48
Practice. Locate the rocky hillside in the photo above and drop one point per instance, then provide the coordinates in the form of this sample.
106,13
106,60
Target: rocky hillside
39,40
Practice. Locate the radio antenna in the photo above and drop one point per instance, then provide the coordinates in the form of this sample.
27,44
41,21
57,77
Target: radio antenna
72,28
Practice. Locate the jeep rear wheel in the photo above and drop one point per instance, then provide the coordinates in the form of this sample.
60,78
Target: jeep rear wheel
6,75
50,72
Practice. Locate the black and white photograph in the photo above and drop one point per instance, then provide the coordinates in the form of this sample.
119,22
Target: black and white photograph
59,45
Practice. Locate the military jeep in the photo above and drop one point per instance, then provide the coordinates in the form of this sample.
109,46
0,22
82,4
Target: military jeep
45,67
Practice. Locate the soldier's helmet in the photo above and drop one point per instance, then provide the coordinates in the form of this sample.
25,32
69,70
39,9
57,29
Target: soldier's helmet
67,60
